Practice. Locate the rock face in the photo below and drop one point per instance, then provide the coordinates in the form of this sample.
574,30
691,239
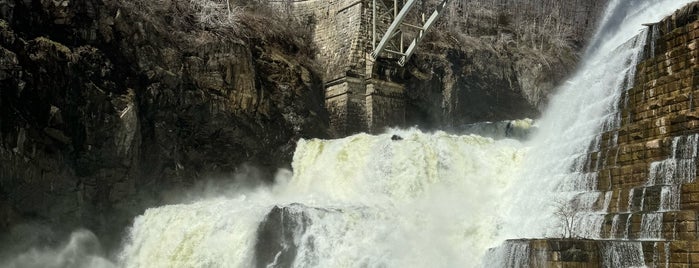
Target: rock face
279,235
496,60
479,82
105,104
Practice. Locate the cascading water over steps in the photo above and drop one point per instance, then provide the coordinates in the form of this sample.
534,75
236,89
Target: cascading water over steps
634,184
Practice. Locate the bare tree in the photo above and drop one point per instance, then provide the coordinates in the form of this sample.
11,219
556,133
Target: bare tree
543,25
566,212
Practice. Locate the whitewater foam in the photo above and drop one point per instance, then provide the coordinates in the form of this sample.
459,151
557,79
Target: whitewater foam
428,200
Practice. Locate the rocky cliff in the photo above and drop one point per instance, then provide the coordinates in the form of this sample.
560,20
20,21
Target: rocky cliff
496,60
481,81
106,104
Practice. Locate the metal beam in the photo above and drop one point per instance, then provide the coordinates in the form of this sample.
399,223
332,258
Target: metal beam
392,29
433,18
395,29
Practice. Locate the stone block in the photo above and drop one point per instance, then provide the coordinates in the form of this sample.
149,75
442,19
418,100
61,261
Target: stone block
692,125
664,130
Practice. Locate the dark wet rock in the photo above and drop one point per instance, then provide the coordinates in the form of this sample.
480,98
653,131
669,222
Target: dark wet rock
396,138
511,129
480,82
279,236
103,107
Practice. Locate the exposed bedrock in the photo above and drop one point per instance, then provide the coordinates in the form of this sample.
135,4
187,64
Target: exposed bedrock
105,105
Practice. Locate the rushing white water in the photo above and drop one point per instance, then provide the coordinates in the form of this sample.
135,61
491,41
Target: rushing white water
615,226
428,200
622,254
680,167
82,250
651,226
670,198
583,109
514,254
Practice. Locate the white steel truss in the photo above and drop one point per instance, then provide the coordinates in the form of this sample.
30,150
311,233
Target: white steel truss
395,32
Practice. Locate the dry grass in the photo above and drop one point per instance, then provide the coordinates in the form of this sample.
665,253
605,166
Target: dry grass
542,25
216,13
227,19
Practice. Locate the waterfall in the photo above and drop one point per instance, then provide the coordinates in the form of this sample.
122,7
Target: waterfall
651,226
586,107
680,167
670,198
514,254
622,254
428,200
615,226
434,199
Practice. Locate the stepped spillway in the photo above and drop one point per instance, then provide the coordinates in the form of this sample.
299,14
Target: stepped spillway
584,117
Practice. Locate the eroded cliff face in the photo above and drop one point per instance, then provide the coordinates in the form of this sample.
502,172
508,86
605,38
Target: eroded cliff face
496,60
106,104
487,79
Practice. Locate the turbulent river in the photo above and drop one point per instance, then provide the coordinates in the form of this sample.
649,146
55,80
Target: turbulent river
427,200
405,198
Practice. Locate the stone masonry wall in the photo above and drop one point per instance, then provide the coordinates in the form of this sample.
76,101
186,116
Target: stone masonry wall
653,160
356,99
646,170
656,141
345,102
339,33
585,253
385,104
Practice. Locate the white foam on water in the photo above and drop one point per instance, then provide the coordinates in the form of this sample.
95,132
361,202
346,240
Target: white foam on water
428,200
81,250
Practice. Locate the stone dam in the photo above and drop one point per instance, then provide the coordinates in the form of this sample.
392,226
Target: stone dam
644,195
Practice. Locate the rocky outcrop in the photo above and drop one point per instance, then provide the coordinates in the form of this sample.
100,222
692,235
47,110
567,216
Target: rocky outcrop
106,104
496,60
486,80
280,234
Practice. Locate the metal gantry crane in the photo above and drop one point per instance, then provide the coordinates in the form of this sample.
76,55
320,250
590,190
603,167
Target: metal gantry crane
395,32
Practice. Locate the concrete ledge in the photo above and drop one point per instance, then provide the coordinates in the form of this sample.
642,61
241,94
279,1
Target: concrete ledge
583,253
